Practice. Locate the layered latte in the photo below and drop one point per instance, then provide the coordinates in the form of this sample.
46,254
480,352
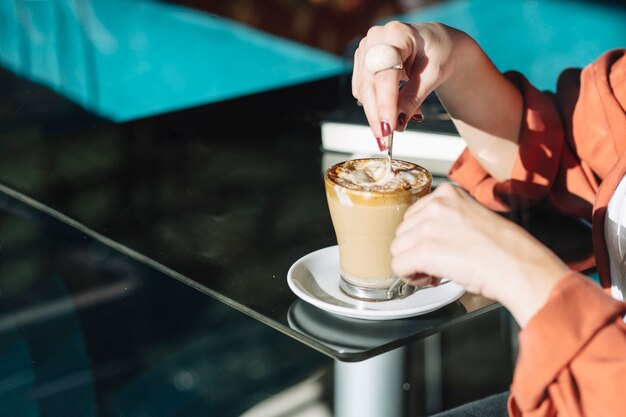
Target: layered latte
367,199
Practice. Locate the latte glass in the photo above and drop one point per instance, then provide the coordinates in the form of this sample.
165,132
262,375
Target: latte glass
365,222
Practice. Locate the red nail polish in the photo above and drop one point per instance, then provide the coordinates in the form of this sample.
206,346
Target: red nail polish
401,119
419,117
385,128
381,144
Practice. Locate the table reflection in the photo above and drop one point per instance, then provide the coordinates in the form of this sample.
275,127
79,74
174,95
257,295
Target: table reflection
356,339
87,331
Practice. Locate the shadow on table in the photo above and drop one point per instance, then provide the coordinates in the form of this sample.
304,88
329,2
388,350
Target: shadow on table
356,339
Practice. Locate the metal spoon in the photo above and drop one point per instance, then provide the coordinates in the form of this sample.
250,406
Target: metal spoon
393,286
403,291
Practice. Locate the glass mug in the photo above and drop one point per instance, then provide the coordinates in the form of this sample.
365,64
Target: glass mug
365,223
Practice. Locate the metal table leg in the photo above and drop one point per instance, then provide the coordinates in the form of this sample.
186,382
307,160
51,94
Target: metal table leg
433,374
373,387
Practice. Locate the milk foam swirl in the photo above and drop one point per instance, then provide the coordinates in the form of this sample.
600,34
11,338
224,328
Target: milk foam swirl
380,175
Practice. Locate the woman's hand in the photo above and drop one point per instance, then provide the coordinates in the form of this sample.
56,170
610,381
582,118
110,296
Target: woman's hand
448,234
427,58
485,106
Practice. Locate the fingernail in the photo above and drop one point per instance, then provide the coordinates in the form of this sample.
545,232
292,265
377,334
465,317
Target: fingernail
385,128
419,117
381,144
401,120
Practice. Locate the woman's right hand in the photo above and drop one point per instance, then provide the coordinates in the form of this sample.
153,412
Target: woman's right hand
485,106
429,53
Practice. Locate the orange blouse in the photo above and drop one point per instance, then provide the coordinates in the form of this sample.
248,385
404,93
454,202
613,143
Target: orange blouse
571,156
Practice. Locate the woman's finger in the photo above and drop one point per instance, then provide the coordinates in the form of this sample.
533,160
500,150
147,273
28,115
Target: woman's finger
409,238
387,92
358,67
419,279
409,262
419,204
408,105
368,99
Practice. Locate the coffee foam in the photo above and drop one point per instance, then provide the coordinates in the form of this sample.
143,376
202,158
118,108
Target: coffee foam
378,175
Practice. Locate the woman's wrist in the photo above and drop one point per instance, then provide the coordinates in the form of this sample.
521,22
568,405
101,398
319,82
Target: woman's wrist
532,288
458,71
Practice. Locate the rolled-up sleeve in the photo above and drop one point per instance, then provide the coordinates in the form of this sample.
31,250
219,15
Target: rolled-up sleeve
543,156
572,355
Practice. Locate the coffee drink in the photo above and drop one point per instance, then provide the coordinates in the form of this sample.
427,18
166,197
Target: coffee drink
367,199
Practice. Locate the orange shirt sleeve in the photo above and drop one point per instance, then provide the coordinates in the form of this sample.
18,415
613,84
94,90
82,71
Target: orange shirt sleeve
573,351
572,359
567,142
541,144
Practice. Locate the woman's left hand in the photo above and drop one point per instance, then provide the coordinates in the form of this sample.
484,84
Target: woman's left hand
448,234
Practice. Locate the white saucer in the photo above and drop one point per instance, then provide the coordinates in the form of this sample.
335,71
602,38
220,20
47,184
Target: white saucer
315,279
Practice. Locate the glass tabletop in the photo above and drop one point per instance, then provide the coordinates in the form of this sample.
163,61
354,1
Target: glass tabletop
224,198
88,331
